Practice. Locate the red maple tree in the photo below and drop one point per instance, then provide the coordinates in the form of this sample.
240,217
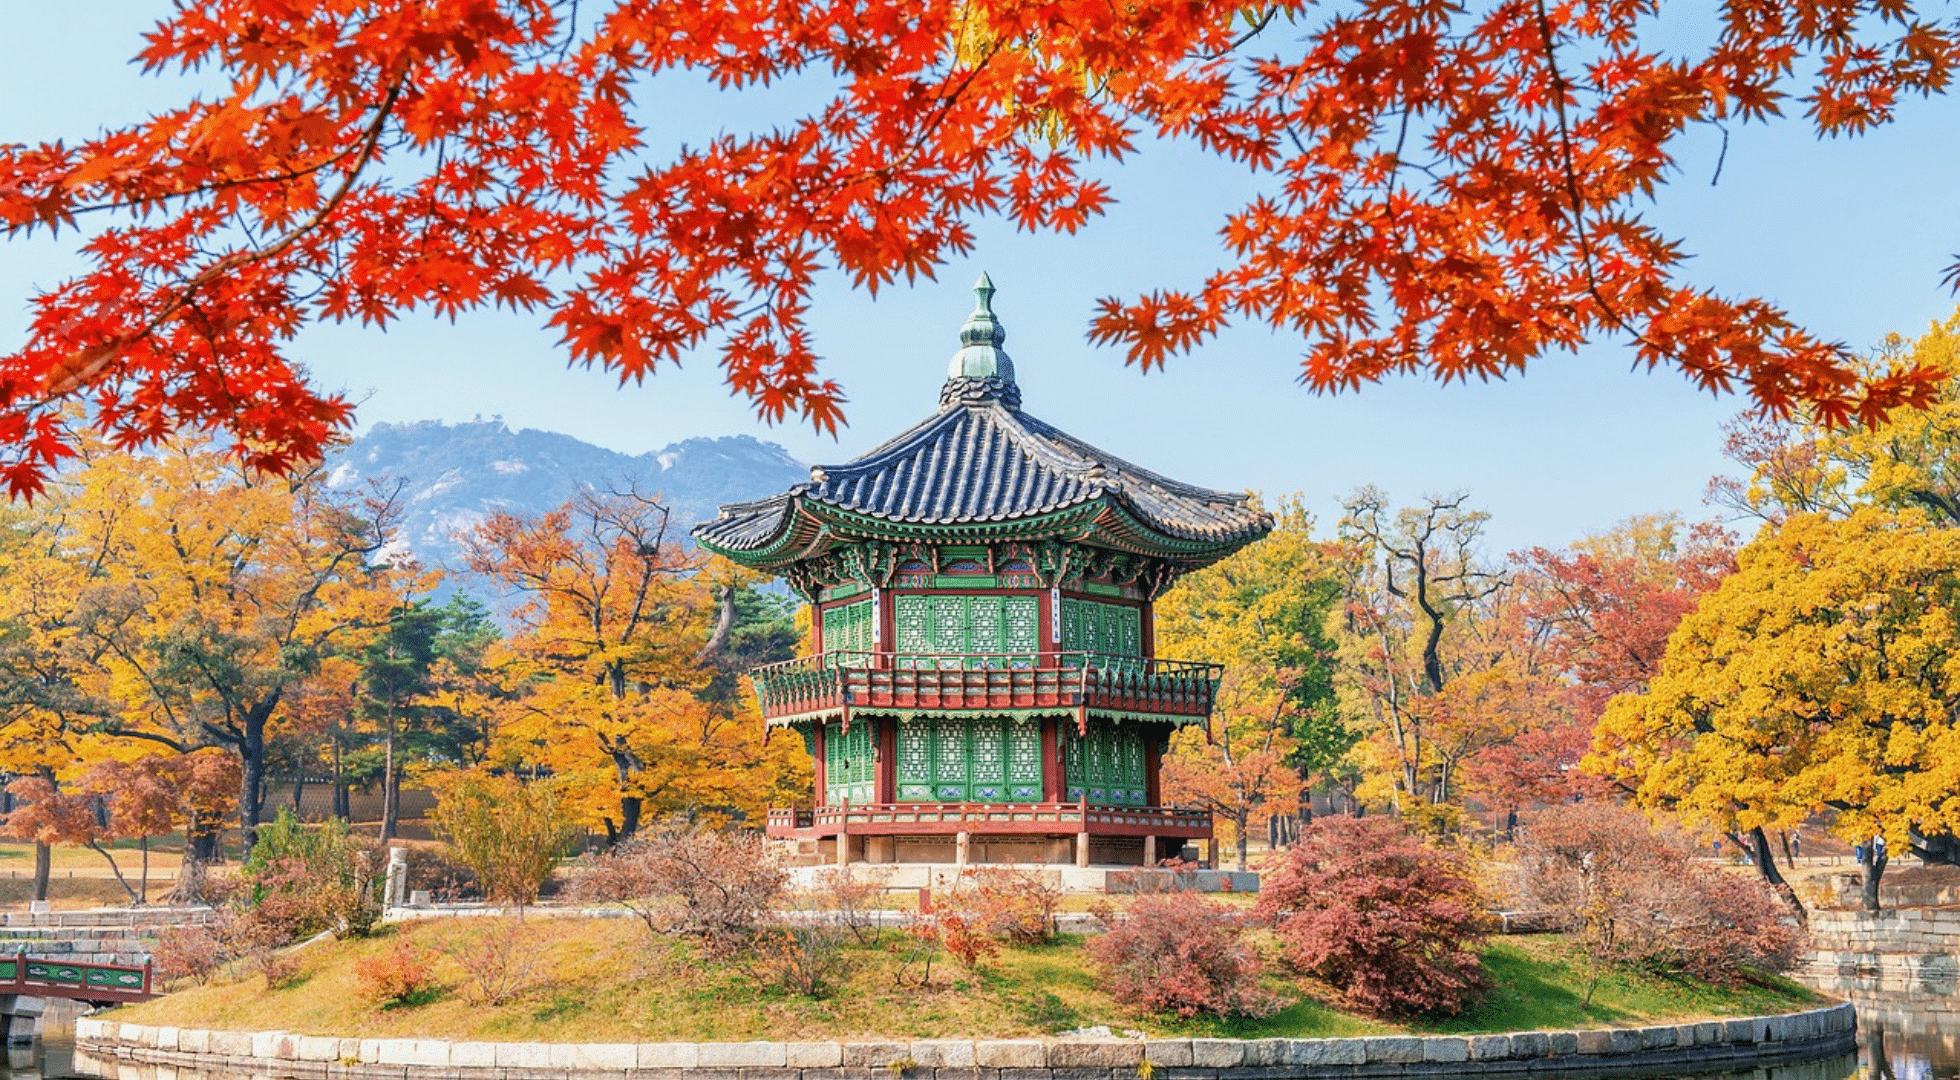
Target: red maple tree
1445,188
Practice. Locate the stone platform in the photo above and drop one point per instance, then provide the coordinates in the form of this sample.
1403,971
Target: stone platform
944,877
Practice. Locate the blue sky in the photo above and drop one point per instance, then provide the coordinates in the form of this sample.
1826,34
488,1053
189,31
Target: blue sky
1851,235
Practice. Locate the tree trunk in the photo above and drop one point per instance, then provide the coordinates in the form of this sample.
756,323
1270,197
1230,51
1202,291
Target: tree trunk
1242,819
1766,865
1874,869
43,869
143,843
342,806
299,789
97,847
200,850
250,745
390,804
1940,848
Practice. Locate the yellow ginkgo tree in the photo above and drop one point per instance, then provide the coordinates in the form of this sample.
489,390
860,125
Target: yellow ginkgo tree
1823,675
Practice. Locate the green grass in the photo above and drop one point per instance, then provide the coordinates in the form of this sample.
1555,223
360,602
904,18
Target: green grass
1541,982
606,980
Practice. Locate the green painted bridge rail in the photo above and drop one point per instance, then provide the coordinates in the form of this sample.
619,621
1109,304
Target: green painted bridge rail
97,984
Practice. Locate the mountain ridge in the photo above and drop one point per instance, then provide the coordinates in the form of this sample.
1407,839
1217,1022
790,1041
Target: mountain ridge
454,476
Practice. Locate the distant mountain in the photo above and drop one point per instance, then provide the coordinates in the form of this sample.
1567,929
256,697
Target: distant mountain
456,475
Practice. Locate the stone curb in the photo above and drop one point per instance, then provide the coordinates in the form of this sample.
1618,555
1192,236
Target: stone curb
280,1055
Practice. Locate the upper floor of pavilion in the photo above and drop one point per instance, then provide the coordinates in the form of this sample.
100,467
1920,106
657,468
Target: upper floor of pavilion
983,489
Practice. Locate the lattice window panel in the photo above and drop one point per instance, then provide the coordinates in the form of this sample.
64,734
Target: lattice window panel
1023,761
1113,631
1107,765
1023,626
949,627
915,760
912,623
1075,634
1129,776
984,616
1122,630
989,762
848,768
848,628
949,760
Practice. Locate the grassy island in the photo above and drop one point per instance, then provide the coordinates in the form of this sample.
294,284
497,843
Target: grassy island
605,980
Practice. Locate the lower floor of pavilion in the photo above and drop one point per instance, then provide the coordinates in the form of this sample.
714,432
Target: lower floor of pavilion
1029,789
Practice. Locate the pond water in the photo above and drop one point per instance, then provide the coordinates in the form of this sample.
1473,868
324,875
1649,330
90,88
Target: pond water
1903,1041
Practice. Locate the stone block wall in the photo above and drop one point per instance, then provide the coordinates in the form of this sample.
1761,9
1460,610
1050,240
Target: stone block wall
1902,967
141,1052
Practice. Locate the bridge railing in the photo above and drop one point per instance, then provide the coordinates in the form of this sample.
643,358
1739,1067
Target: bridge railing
102,983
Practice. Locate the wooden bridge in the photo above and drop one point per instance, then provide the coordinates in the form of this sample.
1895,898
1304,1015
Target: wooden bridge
97,984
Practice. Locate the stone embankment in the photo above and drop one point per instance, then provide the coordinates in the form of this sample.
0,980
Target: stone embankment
140,1052
1901,965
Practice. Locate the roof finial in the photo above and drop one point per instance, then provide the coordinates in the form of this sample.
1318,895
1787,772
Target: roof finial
981,370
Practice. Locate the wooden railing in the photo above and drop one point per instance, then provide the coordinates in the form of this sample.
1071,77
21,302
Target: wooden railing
97,983
827,681
911,819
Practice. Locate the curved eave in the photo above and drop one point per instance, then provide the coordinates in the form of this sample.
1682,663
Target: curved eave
808,528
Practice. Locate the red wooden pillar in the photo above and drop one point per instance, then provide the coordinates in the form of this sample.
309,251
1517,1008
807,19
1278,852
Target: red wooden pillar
1153,760
1051,760
886,734
823,784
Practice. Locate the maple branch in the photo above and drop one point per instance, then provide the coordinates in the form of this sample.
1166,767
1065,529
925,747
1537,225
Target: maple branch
204,189
1559,85
87,372
1257,28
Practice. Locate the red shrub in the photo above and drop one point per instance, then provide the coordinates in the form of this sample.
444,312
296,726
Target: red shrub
1179,953
1391,922
1017,905
188,952
968,943
717,886
1632,896
400,976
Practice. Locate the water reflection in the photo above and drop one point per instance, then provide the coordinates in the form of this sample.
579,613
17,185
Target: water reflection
1901,1043
1901,1040
52,1058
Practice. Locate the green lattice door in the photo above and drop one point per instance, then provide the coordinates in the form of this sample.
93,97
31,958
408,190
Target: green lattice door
951,759
848,767
1107,765
847,629
1113,632
967,631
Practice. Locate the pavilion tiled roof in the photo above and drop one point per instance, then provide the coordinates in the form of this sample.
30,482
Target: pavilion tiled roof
982,460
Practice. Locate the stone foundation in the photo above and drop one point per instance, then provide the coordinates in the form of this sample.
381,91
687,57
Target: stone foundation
139,1052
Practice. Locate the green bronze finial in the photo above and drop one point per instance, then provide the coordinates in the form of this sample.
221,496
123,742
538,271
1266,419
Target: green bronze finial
981,355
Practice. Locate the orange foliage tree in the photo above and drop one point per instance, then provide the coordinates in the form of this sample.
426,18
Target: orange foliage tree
605,679
1443,188
213,591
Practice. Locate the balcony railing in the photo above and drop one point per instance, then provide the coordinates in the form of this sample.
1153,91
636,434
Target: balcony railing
916,819
832,681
